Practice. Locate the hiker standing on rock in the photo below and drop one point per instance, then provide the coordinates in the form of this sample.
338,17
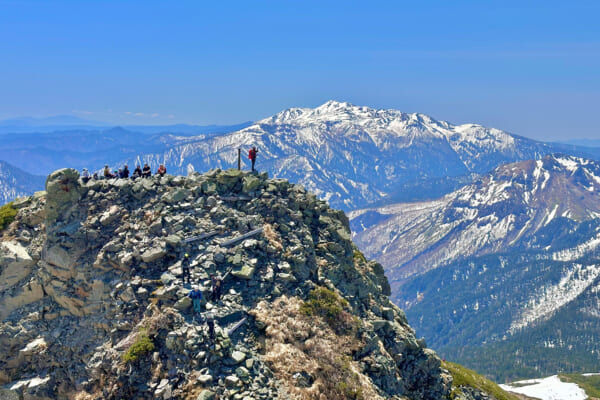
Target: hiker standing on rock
185,268
210,322
252,155
196,296
216,284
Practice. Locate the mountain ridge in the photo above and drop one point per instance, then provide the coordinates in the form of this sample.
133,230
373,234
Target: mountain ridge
520,243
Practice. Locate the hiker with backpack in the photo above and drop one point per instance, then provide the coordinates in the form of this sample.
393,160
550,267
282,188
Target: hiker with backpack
146,172
252,155
196,295
185,268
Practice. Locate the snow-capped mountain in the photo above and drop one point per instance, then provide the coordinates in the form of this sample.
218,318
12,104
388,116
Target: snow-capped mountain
500,210
353,156
16,183
509,259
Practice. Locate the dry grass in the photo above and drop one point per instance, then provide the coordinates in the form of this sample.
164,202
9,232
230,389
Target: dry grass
296,342
273,237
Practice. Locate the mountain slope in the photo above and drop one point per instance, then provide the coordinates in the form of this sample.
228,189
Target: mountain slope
16,183
92,305
520,244
352,156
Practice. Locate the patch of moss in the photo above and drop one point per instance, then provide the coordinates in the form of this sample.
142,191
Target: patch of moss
331,307
143,345
359,257
465,377
590,384
7,215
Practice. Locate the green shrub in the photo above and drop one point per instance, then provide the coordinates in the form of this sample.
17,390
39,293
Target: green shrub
465,377
7,215
359,257
142,345
331,307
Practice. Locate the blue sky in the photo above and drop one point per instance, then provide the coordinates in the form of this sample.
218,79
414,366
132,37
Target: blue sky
533,70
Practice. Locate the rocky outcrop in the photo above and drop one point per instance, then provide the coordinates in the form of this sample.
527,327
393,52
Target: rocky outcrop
94,307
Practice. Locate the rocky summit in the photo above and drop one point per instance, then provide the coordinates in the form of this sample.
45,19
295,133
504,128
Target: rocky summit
93,306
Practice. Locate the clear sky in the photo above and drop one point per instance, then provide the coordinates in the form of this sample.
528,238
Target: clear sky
529,67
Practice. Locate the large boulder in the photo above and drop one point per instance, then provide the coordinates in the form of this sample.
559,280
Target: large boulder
15,264
63,191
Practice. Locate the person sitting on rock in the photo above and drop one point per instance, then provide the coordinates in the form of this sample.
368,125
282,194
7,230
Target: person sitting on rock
107,173
216,284
185,268
162,170
125,171
146,172
95,176
137,172
120,173
196,295
85,175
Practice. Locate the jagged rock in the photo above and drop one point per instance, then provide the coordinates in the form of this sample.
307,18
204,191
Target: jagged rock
251,183
238,356
206,395
183,304
245,272
62,192
153,254
176,196
101,287
15,264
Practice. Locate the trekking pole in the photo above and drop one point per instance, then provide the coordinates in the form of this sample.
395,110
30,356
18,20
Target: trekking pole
239,158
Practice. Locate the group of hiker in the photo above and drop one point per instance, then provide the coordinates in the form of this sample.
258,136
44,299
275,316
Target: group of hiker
122,173
145,172
216,285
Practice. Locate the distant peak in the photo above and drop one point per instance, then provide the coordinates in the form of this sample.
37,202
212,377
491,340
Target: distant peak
334,104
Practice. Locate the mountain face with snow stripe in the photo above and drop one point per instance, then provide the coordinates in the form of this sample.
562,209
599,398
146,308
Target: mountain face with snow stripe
354,156
16,183
519,244
500,210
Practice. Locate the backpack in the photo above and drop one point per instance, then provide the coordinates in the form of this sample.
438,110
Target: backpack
250,154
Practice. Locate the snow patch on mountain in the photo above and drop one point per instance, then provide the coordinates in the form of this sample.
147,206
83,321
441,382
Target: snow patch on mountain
551,388
549,299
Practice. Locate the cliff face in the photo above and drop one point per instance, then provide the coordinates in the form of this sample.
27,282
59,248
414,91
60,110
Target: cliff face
92,304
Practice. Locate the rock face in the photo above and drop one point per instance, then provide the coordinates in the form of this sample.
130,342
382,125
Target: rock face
93,304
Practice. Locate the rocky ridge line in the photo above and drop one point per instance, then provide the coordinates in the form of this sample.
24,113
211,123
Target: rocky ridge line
91,275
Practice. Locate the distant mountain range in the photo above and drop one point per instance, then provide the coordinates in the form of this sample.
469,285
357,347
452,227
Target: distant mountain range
15,182
356,156
71,123
351,156
501,272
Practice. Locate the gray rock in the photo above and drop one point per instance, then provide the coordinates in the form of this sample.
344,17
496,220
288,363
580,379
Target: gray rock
153,254
206,394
